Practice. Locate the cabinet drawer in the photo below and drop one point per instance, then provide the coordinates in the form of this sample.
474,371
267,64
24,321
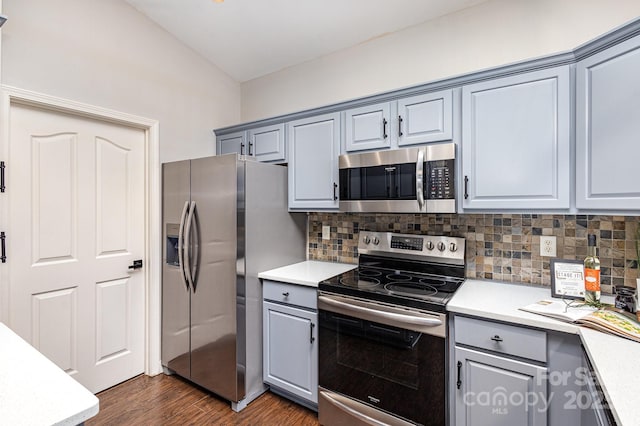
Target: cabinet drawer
507,339
291,294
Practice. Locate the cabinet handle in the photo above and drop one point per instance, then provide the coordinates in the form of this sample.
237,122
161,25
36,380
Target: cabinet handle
466,187
285,294
335,187
384,128
399,126
496,338
459,382
311,338
2,187
3,237
242,149
250,146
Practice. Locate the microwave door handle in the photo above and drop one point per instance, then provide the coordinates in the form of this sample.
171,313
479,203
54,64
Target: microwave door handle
420,179
183,216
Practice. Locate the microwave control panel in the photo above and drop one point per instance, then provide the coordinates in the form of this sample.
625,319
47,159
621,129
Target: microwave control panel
440,180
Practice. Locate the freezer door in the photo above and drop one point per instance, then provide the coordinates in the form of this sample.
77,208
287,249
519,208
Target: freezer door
175,293
214,250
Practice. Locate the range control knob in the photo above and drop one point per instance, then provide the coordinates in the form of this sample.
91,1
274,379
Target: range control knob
430,245
453,247
366,239
441,246
376,241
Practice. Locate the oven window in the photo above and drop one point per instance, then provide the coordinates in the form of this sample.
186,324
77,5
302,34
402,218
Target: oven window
379,182
396,370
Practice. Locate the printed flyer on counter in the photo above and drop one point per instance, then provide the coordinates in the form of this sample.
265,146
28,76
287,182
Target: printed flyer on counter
605,320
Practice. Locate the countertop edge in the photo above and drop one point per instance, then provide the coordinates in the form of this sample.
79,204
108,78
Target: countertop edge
307,273
500,301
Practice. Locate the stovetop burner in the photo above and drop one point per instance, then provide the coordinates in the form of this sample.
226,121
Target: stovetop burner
360,282
407,270
411,289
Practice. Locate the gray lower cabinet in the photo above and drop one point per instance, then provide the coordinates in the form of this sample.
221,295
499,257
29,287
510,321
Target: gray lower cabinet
607,128
290,341
516,145
496,390
504,374
314,146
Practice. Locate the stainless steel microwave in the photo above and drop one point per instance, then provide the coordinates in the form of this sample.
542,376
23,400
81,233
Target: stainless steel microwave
409,180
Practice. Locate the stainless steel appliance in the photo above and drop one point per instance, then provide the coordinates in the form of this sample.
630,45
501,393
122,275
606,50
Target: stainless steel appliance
224,220
409,180
383,332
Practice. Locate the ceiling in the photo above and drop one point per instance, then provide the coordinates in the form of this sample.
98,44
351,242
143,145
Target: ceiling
251,38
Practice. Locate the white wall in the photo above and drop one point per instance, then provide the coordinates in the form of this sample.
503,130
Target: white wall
494,33
105,53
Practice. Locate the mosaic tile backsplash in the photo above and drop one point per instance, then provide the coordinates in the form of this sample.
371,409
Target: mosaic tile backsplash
502,247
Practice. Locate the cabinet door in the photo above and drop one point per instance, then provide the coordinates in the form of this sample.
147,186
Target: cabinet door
314,144
516,142
425,118
267,143
607,129
233,142
367,127
291,350
498,391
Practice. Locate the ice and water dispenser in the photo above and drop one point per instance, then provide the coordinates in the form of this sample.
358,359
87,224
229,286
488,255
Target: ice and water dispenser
173,229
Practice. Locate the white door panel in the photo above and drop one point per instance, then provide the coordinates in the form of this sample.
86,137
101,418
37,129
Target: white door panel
76,222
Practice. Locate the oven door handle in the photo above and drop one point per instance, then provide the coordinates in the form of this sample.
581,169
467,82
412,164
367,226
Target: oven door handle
372,314
420,179
358,411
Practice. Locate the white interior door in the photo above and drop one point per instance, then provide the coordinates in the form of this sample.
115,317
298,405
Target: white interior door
76,223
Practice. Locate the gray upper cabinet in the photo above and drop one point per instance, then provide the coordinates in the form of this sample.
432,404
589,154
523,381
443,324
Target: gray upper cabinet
233,142
608,129
516,142
314,146
409,121
265,143
425,118
367,127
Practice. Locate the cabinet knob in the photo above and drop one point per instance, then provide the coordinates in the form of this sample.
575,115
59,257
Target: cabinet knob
496,338
285,294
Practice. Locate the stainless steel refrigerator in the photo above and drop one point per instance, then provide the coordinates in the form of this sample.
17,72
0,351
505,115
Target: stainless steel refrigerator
225,219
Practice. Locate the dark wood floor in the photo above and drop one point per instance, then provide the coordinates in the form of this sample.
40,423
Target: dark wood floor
170,400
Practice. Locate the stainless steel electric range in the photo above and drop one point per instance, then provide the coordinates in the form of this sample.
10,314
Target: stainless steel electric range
383,331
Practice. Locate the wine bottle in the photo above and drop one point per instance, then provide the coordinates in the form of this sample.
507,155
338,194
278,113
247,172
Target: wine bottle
591,272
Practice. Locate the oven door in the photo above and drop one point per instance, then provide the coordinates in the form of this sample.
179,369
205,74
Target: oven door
387,181
380,364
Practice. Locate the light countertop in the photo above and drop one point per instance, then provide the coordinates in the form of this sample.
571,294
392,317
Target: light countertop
615,360
35,391
308,273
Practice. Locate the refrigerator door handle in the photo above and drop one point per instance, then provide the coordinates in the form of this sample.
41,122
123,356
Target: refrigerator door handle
196,247
181,244
187,243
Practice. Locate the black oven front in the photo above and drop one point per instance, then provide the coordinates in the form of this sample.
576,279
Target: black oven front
374,364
